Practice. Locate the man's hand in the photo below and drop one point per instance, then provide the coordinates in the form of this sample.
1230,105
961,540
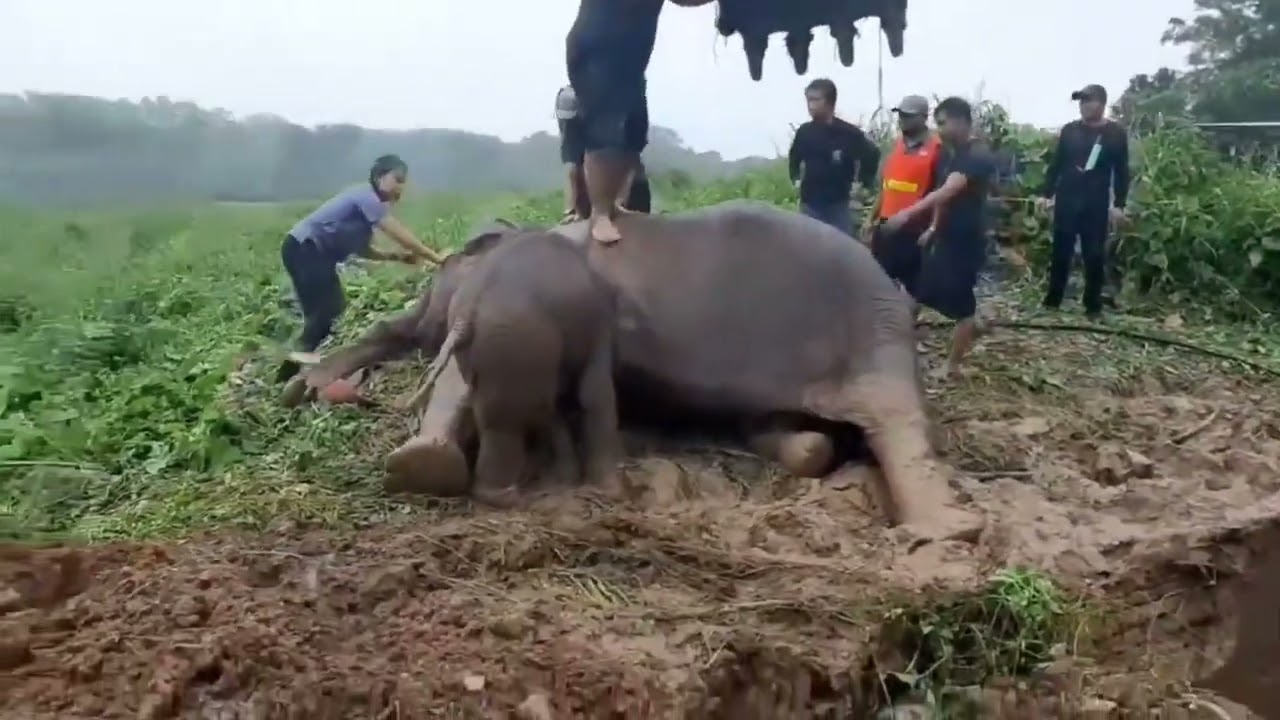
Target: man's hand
895,223
1118,216
1044,204
926,237
569,216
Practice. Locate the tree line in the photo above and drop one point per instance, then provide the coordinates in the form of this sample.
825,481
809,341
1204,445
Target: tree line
70,149
1233,68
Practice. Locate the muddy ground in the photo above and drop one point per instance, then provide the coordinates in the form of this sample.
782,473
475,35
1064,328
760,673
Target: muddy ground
724,591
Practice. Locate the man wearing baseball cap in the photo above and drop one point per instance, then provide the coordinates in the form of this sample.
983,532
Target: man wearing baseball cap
1087,185
907,175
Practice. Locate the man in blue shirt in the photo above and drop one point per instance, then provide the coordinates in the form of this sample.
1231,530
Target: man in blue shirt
956,242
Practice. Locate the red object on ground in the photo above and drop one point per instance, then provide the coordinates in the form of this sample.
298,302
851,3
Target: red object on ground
340,392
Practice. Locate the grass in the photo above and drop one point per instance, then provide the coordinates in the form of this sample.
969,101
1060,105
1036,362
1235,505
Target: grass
134,401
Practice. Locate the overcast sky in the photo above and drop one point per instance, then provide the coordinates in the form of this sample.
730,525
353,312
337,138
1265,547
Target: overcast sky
493,66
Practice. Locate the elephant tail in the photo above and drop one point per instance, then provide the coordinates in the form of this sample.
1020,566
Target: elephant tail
459,332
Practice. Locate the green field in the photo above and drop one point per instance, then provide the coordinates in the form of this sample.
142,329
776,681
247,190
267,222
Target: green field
136,347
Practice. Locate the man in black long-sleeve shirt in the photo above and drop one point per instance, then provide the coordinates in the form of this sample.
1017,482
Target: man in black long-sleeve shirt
1087,182
827,154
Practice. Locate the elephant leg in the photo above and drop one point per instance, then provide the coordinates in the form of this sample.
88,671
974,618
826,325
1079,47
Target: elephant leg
917,492
433,461
565,469
798,44
844,35
601,440
801,453
755,45
500,463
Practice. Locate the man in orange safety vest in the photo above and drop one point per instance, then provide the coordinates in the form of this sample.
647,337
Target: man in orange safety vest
907,175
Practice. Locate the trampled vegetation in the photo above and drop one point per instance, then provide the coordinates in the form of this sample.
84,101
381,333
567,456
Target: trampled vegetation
135,352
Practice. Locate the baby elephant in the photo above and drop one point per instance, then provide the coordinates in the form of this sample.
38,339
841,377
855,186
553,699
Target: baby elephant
531,327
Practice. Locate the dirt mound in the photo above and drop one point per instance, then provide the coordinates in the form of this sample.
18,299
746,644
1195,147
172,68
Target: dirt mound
724,590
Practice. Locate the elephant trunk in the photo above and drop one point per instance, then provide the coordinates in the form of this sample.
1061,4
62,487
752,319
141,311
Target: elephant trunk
386,340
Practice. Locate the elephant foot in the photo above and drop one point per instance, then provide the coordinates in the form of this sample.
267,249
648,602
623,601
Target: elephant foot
943,523
803,454
501,498
427,468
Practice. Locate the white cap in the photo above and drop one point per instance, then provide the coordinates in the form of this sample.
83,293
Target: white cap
566,103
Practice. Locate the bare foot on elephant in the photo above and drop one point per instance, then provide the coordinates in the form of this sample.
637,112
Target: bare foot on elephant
423,467
604,230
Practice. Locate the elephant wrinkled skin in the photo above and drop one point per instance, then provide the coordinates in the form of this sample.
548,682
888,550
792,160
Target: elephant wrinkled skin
748,309
531,328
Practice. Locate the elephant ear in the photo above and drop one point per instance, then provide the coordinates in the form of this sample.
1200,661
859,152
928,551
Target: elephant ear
484,242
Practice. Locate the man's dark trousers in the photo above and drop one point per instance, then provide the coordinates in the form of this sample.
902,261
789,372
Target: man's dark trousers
1089,225
836,214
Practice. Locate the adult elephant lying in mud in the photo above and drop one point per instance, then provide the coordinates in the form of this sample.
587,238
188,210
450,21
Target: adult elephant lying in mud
745,309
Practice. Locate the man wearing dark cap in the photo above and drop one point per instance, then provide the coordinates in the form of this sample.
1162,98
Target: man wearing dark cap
906,176
1087,185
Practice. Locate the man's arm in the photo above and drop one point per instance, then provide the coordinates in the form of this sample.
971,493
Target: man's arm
1053,170
403,237
867,156
796,154
974,168
1121,176
876,204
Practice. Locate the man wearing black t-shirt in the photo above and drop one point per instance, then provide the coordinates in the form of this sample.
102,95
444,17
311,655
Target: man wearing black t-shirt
826,156
1087,183
607,53
955,242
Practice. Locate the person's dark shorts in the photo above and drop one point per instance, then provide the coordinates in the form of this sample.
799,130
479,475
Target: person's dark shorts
899,254
949,269
612,102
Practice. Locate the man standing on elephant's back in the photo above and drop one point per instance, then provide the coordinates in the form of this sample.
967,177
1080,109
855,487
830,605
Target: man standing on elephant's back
607,52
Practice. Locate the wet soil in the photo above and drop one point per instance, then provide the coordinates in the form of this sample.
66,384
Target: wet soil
723,590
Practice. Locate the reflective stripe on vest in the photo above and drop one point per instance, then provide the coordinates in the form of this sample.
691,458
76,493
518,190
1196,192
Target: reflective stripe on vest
907,176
